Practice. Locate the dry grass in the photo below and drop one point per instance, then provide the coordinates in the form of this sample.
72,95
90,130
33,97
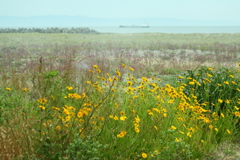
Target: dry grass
228,151
9,144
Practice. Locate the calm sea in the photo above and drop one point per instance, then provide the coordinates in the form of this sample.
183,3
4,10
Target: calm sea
170,29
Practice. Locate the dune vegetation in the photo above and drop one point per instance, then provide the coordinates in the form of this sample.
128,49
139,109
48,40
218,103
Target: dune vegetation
119,96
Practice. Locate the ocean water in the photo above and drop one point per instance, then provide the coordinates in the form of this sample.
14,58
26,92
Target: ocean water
169,29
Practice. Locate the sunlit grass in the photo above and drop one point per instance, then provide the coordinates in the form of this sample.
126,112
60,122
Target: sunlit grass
96,101
129,119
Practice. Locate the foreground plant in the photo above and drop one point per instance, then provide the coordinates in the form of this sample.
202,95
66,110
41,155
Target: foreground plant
114,116
215,90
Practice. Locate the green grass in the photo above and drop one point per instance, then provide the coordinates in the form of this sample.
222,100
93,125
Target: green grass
52,108
142,40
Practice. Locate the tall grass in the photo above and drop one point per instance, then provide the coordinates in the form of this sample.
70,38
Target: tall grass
100,101
123,119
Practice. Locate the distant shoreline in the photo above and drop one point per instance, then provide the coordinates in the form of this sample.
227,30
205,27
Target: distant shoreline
155,29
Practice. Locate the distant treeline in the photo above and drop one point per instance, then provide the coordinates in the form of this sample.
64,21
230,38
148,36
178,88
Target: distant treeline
49,30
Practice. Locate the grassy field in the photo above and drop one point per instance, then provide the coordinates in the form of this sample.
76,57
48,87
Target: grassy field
119,96
121,38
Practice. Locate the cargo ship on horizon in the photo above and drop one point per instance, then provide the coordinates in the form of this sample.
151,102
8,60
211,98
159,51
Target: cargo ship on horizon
145,25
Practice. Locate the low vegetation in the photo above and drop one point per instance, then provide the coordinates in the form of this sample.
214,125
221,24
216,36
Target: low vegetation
108,101
82,30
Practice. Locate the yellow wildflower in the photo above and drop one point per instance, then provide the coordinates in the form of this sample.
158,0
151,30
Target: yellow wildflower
67,119
173,128
136,125
226,82
236,107
42,100
227,101
234,83
150,112
102,118
115,118
122,118
124,66
131,69
189,134
118,73
137,130
144,155
207,80
121,134
55,108
115,79
222,115
206,120
95,66
25,89
134,97
156,110
129,83
81,130
91,71
69,87
177,140
58,128
164,114
171,101
42,107
209,75
228,131
191,129
137,119
98,70
237,114
220,101
122,113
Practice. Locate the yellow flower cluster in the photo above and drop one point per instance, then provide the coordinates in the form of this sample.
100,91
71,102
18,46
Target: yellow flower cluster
74,96
83,112
69,87
136,124
42,107
42,100
122,134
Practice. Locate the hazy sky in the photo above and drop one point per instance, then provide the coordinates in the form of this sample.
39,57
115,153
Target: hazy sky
181,9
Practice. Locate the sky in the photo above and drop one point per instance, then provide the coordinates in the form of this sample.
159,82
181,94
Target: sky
227,10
